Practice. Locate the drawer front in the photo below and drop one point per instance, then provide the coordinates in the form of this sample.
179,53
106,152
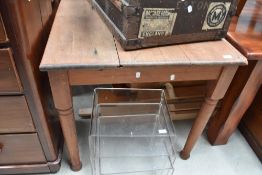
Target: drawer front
10,82
20,149
14,115
3,36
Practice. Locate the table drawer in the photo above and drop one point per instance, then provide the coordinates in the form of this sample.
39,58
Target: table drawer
14,115
20,148
3,36
10,82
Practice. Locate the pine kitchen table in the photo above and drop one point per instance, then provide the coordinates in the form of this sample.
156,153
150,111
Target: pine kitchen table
82,51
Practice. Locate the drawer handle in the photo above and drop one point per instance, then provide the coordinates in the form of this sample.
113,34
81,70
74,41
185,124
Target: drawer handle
1,147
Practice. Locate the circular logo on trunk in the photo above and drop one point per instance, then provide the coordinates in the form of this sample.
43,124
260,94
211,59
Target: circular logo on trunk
216,15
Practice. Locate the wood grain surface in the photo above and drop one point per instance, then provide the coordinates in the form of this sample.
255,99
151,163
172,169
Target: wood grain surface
9,80
80,39
251,123
245,31
146,74
15,116
3,37
21,148
203,53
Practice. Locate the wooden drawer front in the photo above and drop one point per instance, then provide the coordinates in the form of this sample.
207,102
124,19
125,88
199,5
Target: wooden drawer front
10,82
3,37
15,115
20,149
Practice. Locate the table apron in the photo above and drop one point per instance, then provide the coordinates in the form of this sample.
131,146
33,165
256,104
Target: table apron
142,74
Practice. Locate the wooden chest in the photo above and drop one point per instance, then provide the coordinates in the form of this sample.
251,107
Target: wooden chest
146,23
30,135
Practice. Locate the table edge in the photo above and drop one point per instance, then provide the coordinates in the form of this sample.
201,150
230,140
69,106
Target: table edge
77,67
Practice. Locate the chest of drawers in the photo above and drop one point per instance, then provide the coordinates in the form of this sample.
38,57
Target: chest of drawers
30,138
3,37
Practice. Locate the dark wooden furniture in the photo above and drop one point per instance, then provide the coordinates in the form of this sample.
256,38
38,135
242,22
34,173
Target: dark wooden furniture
240,6
30,137
82,51
146,23
250,125
245,35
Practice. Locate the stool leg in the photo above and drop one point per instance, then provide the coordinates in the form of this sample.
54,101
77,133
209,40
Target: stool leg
216,91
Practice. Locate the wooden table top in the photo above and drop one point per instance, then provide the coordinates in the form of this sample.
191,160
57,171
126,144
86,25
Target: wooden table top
80,39
246,30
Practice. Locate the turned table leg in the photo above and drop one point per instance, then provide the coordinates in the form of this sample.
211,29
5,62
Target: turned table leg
233,92
241,104
216,91
63,103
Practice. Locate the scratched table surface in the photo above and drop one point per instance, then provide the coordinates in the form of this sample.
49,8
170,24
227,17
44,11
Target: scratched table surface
80,39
